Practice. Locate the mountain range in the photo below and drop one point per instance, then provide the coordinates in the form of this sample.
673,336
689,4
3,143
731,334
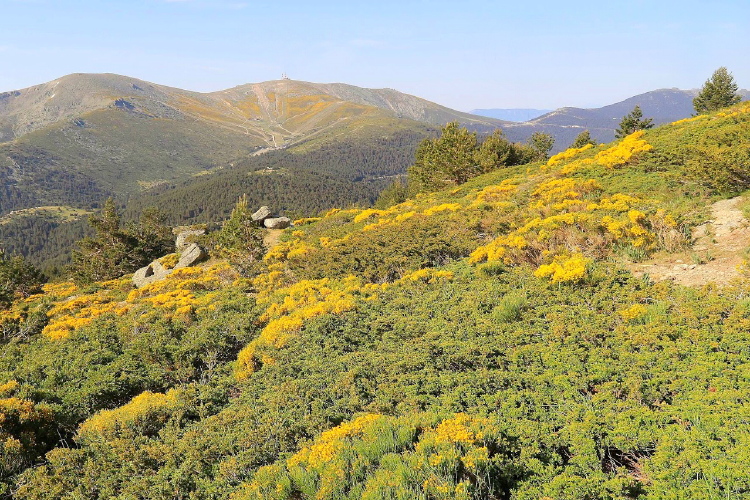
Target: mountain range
663,106
511,114
301,147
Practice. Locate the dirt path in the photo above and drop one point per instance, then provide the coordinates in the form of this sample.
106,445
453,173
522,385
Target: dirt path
718,250
271,238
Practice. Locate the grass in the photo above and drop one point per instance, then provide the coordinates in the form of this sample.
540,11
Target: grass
57,213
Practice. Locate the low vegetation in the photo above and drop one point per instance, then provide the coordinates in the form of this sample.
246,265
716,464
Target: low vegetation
479,341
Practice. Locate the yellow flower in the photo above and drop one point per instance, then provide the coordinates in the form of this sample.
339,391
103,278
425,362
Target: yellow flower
563,270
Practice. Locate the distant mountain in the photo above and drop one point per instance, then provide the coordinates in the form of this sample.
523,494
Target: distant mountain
82,137
664,106
68,144
512,114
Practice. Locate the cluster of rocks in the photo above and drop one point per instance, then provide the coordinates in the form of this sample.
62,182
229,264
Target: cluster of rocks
190,254
265,217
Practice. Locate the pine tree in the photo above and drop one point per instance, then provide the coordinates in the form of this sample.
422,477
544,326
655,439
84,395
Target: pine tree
632,123
718,92
582,139
240,240
18,279
116,251
496,151
449,159
542,144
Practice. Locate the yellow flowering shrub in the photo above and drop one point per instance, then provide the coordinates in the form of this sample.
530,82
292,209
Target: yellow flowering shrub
22,422
332,441
300,250
569,215
375,225
623,151
169,261
452,207
427,275
633,312
285,250
495,194
576,166
500,249
308,220
144,414
288,309
8,388
690,119
369,214
564,269
560,189
568,154
419,456
59,290
617,202
183,292
406,215
67,316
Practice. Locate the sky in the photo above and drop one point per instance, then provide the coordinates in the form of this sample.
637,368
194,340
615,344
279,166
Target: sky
464,54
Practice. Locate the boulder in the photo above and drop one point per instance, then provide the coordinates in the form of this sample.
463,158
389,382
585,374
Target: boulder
147,275
262,214
277,222
191,256
181,241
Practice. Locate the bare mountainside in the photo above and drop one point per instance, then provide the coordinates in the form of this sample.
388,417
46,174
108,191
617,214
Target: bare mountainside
270,113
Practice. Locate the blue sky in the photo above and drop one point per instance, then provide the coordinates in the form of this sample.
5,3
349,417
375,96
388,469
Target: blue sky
463,54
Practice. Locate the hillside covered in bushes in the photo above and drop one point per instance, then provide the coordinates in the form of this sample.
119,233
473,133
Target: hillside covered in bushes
481,341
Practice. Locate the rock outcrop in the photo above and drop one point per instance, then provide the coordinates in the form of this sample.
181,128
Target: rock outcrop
191,255
262,214
149,274
181,240
277,222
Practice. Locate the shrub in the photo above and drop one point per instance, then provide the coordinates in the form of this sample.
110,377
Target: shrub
18,279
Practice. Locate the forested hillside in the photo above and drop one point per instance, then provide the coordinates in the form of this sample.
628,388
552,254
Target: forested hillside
298,182
481,341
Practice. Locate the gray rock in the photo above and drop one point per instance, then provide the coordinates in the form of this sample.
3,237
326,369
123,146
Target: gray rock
191,256
262,214
181,241
277,222
147,275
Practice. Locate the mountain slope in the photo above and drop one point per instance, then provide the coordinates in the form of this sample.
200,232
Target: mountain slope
484,341
115,134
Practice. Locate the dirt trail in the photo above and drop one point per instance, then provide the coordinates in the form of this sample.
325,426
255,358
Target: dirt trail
271,238
263,101
717,252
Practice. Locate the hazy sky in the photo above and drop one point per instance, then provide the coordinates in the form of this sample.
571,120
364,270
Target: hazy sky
464,54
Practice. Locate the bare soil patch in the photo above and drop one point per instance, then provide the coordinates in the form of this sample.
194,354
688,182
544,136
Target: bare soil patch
716,254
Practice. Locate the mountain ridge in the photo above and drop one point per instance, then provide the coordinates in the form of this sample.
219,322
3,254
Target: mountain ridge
234,107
